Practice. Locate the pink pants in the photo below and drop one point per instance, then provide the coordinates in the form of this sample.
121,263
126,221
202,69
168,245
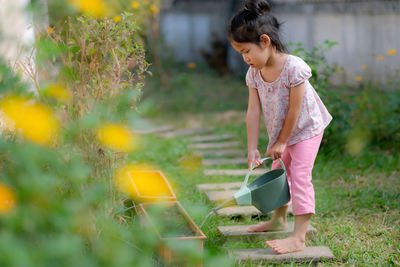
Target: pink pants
299,162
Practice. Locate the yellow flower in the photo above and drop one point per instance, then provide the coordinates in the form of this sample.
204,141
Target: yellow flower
391,52
358,78
117,137
50,30
364,67
59,92
380,58
33,120
117,18
191,65
154,9
143,182
135,5
96,8
7,199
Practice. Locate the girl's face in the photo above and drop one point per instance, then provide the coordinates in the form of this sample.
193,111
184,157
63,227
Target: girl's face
253,54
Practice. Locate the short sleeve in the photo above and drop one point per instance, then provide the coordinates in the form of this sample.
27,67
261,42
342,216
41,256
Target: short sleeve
250,78
299,72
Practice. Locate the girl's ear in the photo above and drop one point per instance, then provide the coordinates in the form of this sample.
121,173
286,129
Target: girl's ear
265,41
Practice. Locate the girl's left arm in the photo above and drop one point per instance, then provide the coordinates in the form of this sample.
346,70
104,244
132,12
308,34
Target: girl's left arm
296,96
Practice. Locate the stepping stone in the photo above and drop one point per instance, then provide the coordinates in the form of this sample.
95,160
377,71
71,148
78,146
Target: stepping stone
244,211
220,186
209,138
238,211
267,255
240,231
154,130
243,172
220,196
209,162
221,153
214,145
184,132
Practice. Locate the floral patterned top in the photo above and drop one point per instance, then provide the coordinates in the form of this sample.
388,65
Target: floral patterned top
274,98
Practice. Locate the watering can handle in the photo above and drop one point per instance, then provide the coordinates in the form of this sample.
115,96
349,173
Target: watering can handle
252,168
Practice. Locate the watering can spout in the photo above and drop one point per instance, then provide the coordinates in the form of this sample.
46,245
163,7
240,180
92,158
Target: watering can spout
227,203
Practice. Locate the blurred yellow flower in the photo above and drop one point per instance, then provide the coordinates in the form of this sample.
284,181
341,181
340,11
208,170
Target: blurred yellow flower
154,9
59,92
117,137
380,58
96,8
391,52
50,30
358,78
143,183
135,5
117,18
191,65
7,199
364,67
35,121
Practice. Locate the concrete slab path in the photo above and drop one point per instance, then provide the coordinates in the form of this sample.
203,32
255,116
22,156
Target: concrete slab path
184,132
211,162
231,172
240,231
267,255
211,138
238,211
159,129
221,153
219,186
214,145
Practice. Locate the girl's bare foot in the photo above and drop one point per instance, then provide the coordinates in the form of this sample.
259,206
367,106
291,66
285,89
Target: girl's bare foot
277,223
272,225
287,245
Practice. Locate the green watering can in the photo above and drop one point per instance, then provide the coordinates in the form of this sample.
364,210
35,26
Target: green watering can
267,193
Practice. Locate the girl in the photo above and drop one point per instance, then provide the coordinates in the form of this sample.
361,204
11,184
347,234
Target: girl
294,115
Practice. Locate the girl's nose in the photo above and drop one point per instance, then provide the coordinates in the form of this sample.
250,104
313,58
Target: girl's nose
245,58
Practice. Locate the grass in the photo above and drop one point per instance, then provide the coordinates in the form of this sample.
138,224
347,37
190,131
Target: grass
357,197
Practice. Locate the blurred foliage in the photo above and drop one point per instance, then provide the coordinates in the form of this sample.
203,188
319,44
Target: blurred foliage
65,212
96,59
363,116
63,139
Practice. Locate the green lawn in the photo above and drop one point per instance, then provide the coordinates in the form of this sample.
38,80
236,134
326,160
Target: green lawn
357,197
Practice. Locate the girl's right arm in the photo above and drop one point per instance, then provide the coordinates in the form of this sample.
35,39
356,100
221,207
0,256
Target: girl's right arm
253,127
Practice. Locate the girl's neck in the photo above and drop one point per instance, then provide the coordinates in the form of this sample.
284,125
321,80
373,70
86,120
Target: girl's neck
275,59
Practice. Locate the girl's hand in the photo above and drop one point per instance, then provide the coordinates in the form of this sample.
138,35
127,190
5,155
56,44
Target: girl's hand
254,158
276,151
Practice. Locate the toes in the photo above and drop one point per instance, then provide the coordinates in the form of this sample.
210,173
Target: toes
281,250
276,250
271,243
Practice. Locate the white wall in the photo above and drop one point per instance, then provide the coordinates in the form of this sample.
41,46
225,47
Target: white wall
15,33
363,29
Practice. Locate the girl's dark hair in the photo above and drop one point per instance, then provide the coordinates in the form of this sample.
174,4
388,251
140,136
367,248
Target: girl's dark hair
255,19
